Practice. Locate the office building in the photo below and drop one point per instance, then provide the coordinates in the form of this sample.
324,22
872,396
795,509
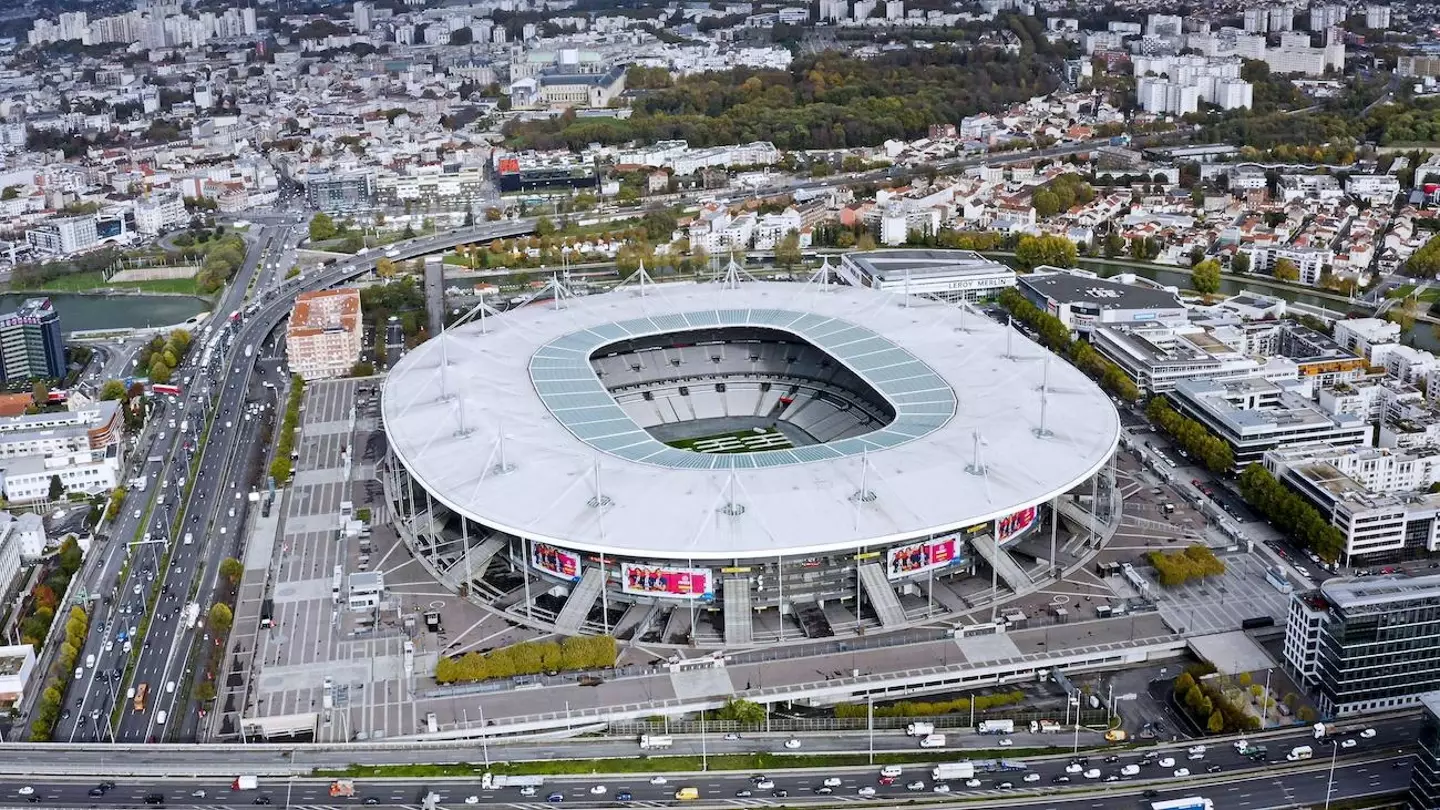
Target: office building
1365,644
17,663
159,212
323,337
1425,764
948,274
1254,415
1362,335
1160,356
1377,17
81,447
340,192
1082,301
31,345
64,235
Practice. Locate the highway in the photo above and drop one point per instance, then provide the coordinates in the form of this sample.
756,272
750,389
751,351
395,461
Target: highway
1273,786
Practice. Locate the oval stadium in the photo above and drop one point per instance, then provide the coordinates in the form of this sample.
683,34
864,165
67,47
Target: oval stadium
729,464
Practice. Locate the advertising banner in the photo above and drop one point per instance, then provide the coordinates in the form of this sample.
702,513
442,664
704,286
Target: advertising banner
554,560
675,583
1011,526
922,556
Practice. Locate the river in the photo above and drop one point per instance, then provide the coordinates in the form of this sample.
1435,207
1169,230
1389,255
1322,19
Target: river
82,312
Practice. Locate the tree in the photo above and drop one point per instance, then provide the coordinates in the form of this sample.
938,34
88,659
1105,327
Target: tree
205,692
112,390
384,268
1240,263
742,711
1205,277
1055,251
40,393
221,618
1285,270
362,368
1184,683
232,569
322,227
1216,723
544,227
1114,245
57,488
865,242
787,253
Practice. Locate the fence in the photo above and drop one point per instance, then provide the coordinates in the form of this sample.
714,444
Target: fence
1098,718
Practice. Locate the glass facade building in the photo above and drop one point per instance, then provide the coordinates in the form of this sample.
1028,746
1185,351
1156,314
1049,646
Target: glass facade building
1425,773
1366,644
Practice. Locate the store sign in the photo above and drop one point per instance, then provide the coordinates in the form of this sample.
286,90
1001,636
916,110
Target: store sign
916,558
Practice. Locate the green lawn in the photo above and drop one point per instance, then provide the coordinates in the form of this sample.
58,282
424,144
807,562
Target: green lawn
1402,291
85,282
738,441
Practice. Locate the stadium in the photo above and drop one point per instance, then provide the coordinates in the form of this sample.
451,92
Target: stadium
730,464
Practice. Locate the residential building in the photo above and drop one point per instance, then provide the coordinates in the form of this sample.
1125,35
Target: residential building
1371,398
1362,335
1083,301
1309,261
64,235
31,344
81,447
157,213
340,192
1376,189
17,664
323,337
1255,415
9,552
1377,17
948,274
1365,644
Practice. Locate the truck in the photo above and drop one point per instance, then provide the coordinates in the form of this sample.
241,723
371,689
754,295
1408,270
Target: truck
494,781
920,729
652,741
245,782
192,615
1116,735
1050,727
1300,752
995,727
953,770
932,741
1323,730
1188,803
249,349
140,483
342,787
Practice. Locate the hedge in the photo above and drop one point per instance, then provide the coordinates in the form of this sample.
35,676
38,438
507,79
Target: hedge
285,443
529,658
1178,567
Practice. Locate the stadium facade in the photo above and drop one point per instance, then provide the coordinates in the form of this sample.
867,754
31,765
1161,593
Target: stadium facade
729,464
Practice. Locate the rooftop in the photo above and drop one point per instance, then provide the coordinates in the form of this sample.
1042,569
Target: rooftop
1347,593
1071,288
896,265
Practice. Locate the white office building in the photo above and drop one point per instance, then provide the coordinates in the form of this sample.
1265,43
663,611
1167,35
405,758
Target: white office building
949,274
1362,335
1253,416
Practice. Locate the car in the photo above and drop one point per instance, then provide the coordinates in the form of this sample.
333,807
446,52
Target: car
199,794
1093,773
137,517
1006,743
1368,733
1167,762
887,780
624,796
1031,777
742,794
1349,742
472,799
729,736
528,790
1111,760
792,743
824,791
765,784
1213,769
95,792
658,780
972,783
1060,780
1004,785
598,790
1114,777
780,794
372,800
555,798
916,785
1149,793
1074,767
1181,773
833,781
940,787
1193,757
155,798
27,791
866,791
262,800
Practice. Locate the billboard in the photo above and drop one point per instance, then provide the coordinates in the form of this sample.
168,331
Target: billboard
1010,526
674,583
555,561
921,556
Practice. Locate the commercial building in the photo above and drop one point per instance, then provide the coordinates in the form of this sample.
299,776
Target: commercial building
340,192
80,447
17,662
1254,415
159,212
324,334
63,236
31,344
1365,644
1425,764
1160,356
1083,301
1362,335
948,274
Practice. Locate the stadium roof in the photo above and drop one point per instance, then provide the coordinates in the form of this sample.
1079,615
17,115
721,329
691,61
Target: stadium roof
519,433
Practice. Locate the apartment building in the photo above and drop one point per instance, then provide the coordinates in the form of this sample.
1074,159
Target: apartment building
31,343
81,447
323,337
64,235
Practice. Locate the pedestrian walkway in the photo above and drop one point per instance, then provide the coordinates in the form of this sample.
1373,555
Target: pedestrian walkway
882,596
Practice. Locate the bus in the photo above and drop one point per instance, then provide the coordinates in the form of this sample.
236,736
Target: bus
140,692
1192,803
161,389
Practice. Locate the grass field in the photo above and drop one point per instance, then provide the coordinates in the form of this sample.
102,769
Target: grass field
739,441
84,282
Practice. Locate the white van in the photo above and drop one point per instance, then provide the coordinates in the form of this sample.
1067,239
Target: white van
170,688
90,660
932,741
189,538
892,771
160,717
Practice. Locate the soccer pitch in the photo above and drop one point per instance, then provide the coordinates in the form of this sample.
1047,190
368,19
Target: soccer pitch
738,441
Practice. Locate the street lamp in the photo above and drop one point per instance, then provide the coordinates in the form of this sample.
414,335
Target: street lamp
1330,783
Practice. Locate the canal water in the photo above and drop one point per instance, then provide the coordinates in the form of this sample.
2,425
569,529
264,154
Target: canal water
81,312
